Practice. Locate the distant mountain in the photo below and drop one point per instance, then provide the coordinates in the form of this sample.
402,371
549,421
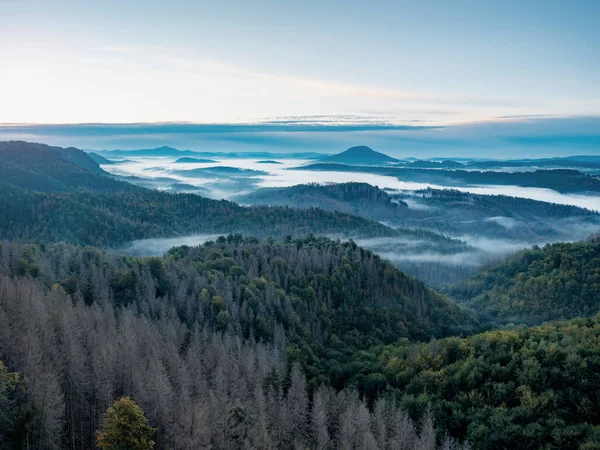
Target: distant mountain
262,155
361,155
446,164
268,161
44,197
561,180
187,159
576,161
99,158
559,281
40,167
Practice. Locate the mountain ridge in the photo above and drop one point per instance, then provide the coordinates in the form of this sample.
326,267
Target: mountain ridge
358,155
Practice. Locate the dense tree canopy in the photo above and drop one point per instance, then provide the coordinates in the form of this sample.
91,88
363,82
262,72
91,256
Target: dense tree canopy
447,211
51,194
561,180
527,388
292,343
558,281
235,344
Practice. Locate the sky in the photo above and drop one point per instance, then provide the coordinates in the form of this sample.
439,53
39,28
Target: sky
424,65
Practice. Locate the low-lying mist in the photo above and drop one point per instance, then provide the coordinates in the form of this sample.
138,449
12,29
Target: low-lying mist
284,175
159,246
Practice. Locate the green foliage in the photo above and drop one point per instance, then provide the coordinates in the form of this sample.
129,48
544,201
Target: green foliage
110,219
559,281
125,428
526,388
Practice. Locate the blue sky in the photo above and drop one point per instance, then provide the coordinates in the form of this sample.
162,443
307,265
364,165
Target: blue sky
453,64
230,61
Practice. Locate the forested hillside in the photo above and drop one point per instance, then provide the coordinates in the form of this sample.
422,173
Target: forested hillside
535,388
237,344
39,167
110,220
561,180
293,343
222,345
447,211
558,281
353,198
45,197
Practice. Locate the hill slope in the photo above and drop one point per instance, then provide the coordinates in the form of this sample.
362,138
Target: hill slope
559,281
241,312
100,159
44,197
206,336
360,155
528,388
44,168
450,212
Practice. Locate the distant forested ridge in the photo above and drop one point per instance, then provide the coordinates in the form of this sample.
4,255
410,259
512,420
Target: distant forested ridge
561,180
109,220
235,344
187,159
582,161
498,216
447,211
351,198
558,281
40,167
45,197
100,159
577,161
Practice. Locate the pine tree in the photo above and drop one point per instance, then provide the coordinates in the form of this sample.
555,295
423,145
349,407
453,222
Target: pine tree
125,428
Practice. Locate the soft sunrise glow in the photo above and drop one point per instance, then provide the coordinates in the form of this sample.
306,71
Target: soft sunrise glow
77,63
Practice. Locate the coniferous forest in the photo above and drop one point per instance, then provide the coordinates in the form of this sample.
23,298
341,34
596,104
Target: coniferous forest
278,337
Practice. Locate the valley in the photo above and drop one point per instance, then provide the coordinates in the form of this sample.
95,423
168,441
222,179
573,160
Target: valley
320,296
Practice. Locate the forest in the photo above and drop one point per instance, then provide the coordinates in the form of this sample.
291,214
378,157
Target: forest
280,337
47,196
560,180
446,211
278,344
222,345
559,281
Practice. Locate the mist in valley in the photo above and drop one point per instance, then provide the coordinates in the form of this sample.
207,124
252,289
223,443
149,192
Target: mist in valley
159,246
437,264
282,174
